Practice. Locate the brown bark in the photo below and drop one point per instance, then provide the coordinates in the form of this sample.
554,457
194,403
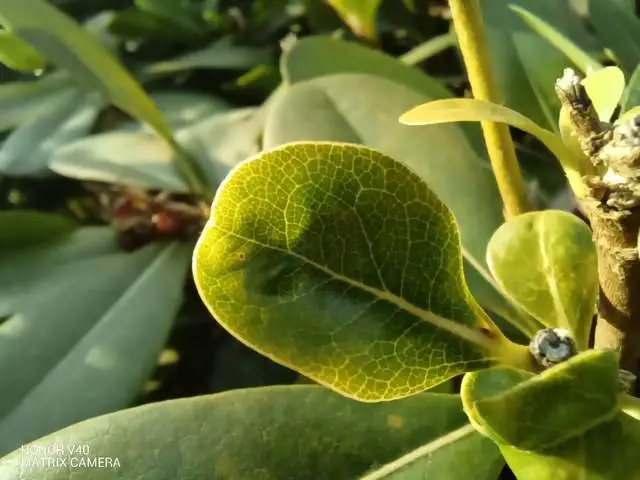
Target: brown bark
618,324
613,209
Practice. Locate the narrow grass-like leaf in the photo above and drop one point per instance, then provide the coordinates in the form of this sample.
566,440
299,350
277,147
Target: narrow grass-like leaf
555,37
19,55
470,110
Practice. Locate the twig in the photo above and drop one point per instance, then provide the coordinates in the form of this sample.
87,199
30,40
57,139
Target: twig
467,21
613,208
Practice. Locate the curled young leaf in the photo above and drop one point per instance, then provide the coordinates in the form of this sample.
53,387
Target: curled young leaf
339,262
546,262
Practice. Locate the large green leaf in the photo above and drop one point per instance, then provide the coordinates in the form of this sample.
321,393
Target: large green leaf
22,228
606,452
28,149
618,28
534,412
363,109
470,110
547,263
85,342
332,56
293,433
526,66
340,263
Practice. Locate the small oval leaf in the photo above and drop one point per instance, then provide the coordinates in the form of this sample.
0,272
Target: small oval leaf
605,88
533,412
339,262
546,262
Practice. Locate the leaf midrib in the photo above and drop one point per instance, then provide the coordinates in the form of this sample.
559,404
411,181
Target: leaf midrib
421,452
447,324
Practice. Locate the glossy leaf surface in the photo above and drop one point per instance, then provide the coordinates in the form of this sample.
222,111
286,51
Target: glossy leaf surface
533,412
363,109
547,263
340,263
250,434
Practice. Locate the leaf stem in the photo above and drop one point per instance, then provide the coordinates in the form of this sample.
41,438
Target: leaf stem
467,21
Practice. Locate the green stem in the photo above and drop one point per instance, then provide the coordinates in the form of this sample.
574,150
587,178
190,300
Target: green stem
467,21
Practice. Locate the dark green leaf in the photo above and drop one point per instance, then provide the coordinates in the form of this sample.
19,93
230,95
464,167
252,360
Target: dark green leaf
546,262
606,452
23,228
251,434
339,262
533,412
631,96
86,324
220,55
618,30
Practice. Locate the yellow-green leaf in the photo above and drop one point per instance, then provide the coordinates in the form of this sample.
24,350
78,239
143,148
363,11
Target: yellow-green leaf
605,88
469,110
533,412
18,55
360,15
547,263
339,262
